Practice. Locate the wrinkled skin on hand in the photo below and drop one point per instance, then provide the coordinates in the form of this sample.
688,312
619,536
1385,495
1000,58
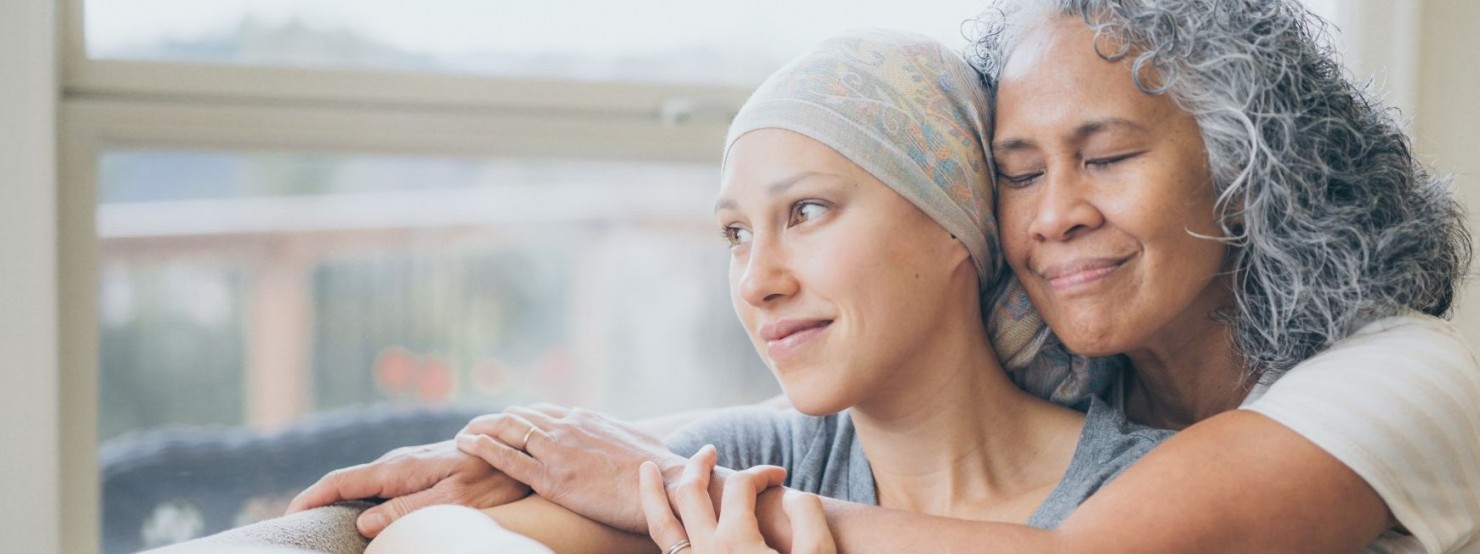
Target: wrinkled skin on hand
584,461
412,478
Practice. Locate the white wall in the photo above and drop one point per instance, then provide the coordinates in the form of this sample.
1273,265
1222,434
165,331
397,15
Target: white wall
1447,122
29,515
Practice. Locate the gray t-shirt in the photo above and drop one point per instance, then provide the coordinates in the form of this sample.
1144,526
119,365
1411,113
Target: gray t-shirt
822,455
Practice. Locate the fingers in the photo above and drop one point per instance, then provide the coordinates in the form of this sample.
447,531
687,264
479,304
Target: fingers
737,523
374,520
539,425
691,496
809,531
510,429
514,463
553,410
342,484
663,527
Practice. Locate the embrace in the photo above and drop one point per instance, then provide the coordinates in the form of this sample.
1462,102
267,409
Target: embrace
993,286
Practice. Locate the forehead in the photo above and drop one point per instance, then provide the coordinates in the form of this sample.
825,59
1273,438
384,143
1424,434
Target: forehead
764,156
1054,77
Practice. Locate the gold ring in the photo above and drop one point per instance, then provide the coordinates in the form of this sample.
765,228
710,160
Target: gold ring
527,434
678,546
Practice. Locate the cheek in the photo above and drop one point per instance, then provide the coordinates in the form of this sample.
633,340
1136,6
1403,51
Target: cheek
1013,218
830,267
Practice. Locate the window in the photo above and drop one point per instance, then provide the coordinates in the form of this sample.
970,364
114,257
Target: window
314,231
299,233
638,41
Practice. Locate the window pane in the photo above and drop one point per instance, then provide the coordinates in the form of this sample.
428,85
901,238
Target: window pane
314,311
733,43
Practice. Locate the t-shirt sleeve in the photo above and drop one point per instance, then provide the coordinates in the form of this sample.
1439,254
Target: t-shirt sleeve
744,437
1398,403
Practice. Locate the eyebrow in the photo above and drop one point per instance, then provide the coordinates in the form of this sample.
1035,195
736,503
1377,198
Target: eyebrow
1080,133
779,187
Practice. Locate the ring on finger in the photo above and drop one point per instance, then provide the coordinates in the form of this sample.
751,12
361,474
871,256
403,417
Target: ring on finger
678,547
524,444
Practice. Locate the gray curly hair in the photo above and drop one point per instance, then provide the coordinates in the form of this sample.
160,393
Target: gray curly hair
1330,220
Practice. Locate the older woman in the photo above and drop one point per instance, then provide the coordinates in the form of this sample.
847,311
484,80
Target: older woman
1194,184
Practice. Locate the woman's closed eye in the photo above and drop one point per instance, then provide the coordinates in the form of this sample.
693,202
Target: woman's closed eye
1020,179
1108,161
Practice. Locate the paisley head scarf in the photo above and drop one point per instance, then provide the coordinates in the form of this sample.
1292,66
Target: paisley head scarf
915,115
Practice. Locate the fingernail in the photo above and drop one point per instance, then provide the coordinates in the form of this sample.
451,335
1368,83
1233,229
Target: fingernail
372,523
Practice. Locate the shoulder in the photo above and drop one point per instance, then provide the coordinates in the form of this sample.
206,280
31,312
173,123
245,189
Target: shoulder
1398,402
1108,444
743,425
1411,365
1112,442
751,435
1413,342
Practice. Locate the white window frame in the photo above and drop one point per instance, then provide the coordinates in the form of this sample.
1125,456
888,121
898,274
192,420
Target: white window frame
30,413
109,104
253,84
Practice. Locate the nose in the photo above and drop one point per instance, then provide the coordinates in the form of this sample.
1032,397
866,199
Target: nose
767,275
1065,208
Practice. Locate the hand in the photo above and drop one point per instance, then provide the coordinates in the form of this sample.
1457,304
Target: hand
736,529
412,478
584,461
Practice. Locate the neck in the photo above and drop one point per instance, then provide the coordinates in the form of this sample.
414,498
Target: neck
1187,374
954,437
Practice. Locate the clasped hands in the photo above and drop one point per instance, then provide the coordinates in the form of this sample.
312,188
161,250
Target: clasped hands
594,465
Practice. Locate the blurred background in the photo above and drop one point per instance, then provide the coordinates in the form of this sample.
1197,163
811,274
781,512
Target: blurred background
291,234
256,285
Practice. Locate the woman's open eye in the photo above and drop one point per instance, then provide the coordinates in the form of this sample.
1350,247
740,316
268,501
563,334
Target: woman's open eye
805,211
736,236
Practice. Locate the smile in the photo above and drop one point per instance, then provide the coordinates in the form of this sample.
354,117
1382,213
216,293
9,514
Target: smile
788,337
1080,274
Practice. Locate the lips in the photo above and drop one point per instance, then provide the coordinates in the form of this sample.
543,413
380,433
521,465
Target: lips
1082,272
788,336
779,330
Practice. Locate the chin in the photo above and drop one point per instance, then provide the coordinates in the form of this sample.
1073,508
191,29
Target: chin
816,401
1091,342
1093,346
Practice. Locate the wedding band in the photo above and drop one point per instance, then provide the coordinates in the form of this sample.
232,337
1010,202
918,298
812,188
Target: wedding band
525,443
678,547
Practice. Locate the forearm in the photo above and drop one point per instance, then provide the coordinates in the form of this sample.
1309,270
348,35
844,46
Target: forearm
565,531
860,529
1238,482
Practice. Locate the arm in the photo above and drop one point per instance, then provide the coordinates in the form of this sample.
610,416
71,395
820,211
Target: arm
529,526
416,477
565,531
1237,482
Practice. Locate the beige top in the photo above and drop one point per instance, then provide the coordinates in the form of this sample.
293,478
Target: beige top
1399,403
